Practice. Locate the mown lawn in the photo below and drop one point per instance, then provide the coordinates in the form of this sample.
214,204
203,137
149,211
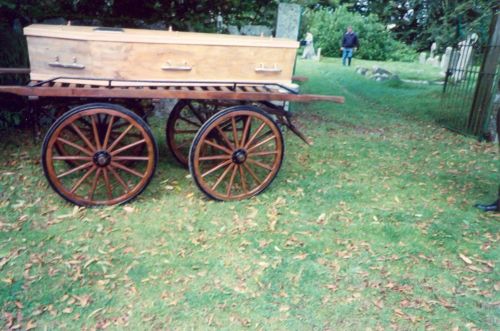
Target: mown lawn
370,228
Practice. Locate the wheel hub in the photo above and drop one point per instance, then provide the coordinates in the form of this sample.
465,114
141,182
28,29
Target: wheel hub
239,156
102,158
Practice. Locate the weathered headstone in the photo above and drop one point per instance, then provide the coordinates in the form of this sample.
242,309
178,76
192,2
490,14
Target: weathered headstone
445,60
433,49
465,48
432,60
381,71
318,55
288,23
233,29
422,57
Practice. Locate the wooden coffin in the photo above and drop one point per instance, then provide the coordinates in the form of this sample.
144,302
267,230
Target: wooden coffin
152,55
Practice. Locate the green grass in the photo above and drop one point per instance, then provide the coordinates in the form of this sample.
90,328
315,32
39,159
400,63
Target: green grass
362,230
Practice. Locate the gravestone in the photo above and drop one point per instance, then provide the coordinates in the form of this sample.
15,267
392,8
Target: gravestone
288,23
465,48
445,60
318,55
233,29
422,57
433,49
432,59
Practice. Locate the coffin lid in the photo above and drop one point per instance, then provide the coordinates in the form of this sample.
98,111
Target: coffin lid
153,36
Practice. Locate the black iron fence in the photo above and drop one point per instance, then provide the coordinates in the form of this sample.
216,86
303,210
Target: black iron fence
471,84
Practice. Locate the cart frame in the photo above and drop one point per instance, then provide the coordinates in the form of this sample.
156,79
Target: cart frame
229,140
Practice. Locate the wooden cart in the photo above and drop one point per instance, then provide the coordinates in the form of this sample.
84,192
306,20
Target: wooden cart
227,133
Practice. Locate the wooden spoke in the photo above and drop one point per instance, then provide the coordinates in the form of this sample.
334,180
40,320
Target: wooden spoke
119,179
252,173
131,158
184,144
230,184
267,153
182,118
245,130
260,164
94,184
127,169
255,135
224,137
219,180
263,142
95,159
117,140
69,172
108,133
96,133
119,126
81,180
243,179
72,158
72,144
196,113
109,188
124,148
215,157
83,137
217,167
222,148
235,132
265,134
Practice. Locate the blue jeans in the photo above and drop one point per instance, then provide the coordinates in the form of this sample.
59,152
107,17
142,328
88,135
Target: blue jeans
346,54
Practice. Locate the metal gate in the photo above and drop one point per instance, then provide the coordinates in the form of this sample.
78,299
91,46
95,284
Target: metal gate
471,83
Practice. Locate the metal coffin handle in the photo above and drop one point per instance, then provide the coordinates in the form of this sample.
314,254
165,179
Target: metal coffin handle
263,69
73,65
170,67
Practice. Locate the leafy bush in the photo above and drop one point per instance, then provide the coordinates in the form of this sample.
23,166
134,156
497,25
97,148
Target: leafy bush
376,43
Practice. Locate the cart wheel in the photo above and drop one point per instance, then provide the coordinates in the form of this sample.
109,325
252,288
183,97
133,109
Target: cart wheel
245,154
184,120
101,142
100,123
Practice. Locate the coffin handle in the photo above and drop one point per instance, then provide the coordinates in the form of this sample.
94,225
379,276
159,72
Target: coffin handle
170,67
73,65
263,69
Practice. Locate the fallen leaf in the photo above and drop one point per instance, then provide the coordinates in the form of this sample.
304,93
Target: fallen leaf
30,325
332,287
129,209
465,258
300,256
284,308
68,310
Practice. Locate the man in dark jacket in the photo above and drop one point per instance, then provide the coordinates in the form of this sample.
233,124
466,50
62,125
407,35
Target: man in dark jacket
349,45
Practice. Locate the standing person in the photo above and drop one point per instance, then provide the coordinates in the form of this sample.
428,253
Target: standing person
350,44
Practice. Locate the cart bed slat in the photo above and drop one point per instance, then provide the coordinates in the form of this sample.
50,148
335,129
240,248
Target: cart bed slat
260,93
